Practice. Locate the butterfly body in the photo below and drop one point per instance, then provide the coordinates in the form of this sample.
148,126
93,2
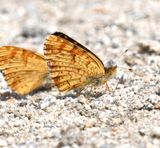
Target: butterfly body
102,79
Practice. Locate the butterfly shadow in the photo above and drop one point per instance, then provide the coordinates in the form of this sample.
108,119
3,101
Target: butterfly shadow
62,97
8,95
75,94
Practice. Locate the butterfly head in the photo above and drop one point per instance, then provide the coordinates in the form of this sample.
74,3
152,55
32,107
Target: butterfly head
110,69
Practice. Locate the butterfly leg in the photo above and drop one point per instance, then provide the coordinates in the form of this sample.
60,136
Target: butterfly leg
107,87
91,90
78,92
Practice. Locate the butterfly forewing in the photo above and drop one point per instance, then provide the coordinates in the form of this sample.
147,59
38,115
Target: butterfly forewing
70,63
24,70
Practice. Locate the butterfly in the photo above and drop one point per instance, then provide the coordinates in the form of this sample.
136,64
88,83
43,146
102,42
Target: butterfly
69,64
72,65
24,70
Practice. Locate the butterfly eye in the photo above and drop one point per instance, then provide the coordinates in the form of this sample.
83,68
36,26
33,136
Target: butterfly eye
110,63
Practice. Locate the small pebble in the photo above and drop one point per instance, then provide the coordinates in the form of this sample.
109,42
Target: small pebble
3,143
90,122
156,132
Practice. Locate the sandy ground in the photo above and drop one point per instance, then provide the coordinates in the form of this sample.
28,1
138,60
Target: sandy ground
127,117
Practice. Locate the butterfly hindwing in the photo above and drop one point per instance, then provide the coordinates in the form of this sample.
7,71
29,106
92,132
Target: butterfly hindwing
24,70
70,62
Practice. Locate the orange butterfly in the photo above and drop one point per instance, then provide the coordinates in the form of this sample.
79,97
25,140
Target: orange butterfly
70,65
24,70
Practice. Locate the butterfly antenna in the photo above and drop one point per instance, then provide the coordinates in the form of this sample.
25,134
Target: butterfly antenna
116,86
126,68
118,58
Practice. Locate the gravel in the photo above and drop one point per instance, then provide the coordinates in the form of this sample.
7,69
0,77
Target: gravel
128,116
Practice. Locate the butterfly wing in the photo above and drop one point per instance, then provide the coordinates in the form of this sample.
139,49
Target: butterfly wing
23,70
70,63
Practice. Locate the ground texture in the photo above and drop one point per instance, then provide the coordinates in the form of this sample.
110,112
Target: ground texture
128,116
